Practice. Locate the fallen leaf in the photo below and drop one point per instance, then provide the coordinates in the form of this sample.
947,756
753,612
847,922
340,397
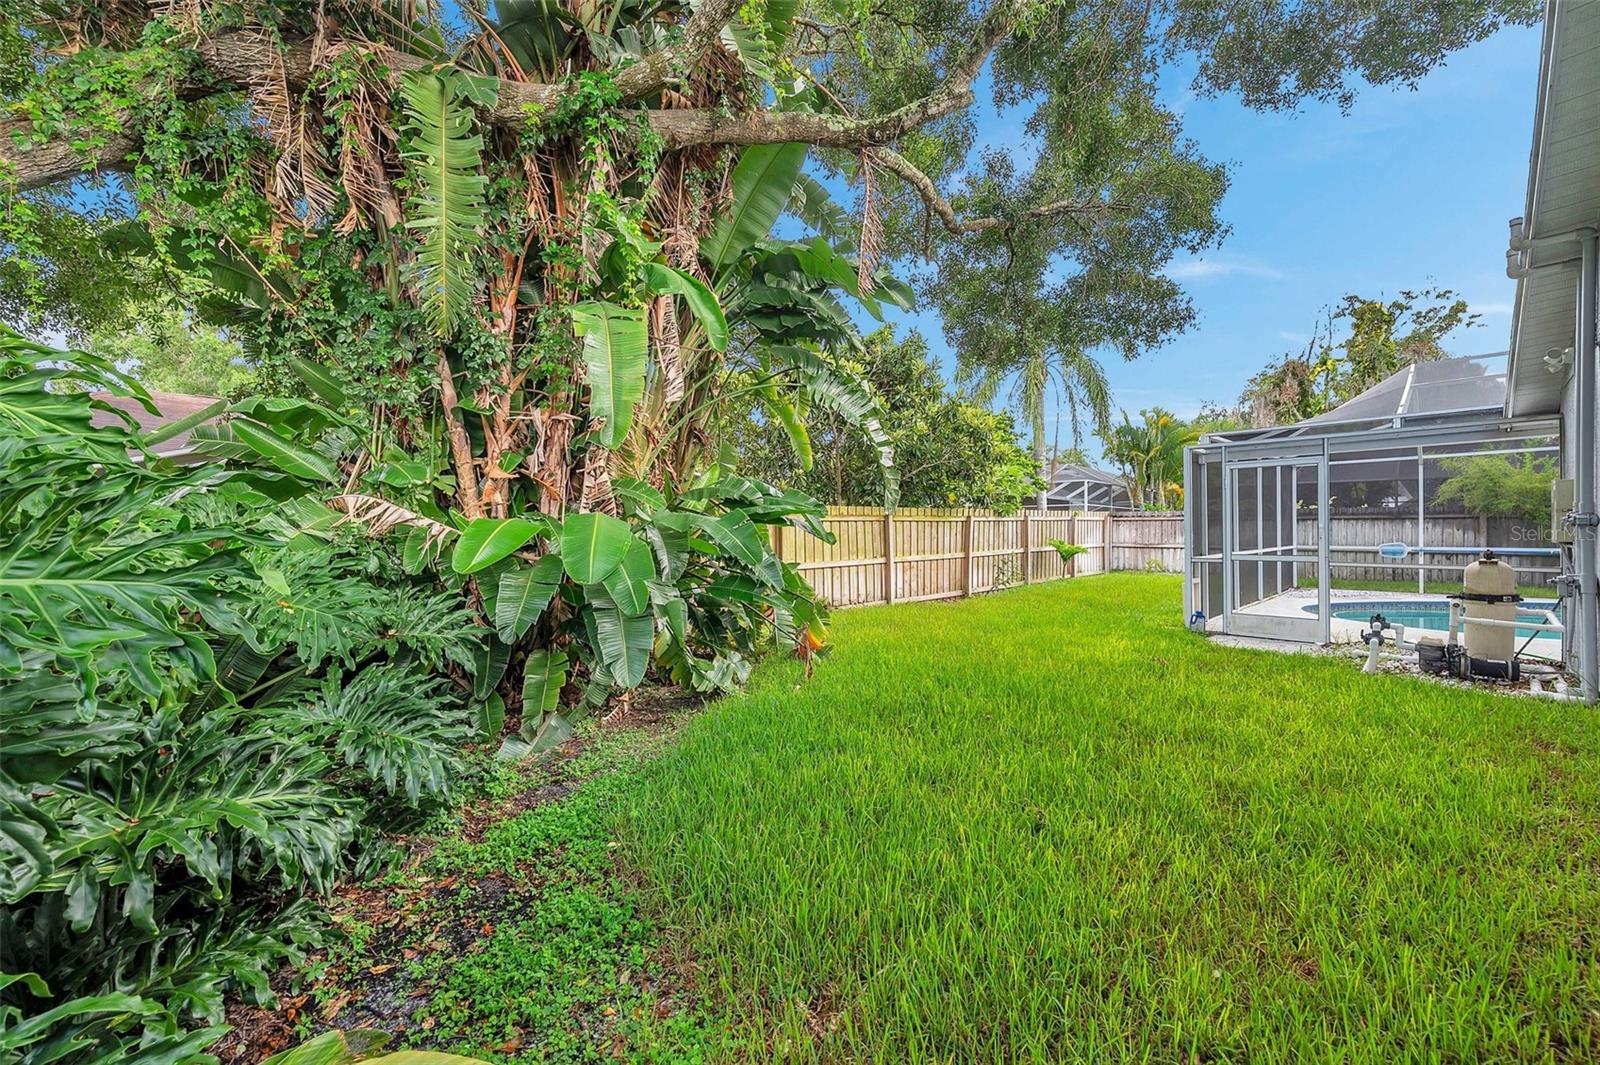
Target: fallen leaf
379,969
331,1010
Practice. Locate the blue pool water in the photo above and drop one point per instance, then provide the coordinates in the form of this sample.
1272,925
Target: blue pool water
1420,614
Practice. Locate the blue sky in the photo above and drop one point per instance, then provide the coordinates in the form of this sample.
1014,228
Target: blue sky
1410,187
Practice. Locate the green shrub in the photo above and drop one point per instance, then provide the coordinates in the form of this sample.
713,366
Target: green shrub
203,720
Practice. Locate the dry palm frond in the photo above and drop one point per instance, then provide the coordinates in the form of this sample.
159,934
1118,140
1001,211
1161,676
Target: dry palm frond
361,171
664,321
552,473
597,494
871,243
181,15
311,168
300,175
380,516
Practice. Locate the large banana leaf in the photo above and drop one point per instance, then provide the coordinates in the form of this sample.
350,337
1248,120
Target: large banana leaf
593,545
615,350
629,584
446,208
834,389
763,182
662,279
624,643
486,541
523,594
734,533
539,34
285,454
794,426
542,680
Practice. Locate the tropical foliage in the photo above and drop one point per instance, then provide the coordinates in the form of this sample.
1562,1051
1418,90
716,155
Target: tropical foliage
500,272
1150,454
949,449
1499,486
209,709
1380,338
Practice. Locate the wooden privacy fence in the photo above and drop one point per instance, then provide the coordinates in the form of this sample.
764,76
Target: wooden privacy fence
922,553
1452,540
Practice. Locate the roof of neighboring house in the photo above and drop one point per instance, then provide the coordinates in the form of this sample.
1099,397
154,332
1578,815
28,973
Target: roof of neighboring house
1444,386
1563,195
1073,473
173,406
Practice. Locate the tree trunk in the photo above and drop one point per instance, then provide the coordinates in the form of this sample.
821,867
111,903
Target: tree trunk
1043,501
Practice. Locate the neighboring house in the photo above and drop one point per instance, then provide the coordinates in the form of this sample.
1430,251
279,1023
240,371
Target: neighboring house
173,406
1085,488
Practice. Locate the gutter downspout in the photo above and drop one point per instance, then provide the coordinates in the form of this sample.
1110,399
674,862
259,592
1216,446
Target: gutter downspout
1584,519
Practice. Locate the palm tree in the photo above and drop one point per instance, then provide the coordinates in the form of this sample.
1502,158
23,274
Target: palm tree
1151,455
1073,375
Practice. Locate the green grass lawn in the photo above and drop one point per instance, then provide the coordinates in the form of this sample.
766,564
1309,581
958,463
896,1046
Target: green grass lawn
1051,825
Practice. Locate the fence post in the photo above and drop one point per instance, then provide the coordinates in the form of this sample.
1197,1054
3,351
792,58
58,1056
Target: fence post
888,558
1027,552
966,551
777,542
1107,537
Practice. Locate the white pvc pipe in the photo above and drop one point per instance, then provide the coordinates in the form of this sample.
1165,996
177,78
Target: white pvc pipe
1458,617
1498,624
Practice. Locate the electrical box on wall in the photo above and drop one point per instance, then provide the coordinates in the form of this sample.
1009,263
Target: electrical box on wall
1561,502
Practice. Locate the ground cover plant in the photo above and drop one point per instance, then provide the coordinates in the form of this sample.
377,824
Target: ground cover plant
1052,825
505,930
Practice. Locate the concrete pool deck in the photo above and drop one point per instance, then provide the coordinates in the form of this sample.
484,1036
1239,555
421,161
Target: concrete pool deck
1293,603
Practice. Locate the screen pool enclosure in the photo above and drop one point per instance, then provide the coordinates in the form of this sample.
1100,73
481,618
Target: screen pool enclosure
1301,532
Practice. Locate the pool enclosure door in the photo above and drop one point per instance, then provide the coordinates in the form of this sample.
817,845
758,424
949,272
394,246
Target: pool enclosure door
1275,547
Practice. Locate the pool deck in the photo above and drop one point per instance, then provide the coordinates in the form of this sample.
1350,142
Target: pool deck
1292,604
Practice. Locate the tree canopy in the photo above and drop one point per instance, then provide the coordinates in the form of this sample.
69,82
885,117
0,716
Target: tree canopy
949,450
1383,336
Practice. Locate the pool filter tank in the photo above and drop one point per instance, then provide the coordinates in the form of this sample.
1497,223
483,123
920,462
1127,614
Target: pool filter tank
1489,590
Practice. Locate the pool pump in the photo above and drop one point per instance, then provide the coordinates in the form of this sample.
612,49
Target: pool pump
1434,655
1484,628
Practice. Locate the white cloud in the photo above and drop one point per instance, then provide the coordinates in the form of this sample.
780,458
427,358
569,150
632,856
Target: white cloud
1201,269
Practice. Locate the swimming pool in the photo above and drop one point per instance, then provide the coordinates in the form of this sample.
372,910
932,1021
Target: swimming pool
1422,614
